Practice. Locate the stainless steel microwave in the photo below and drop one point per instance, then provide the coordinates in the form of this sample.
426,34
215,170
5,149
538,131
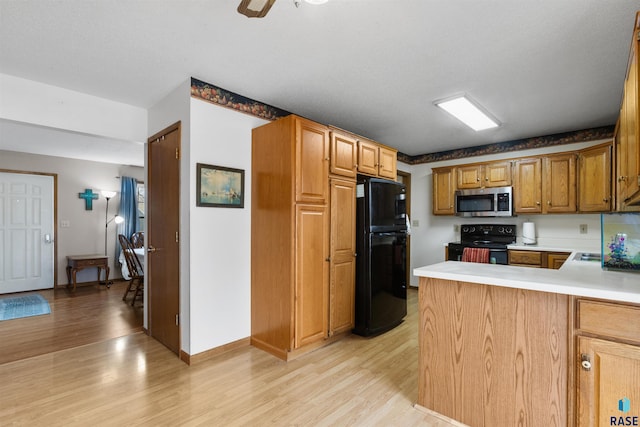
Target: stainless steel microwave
496,201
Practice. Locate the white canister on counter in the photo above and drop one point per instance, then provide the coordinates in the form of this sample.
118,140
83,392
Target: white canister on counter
528,233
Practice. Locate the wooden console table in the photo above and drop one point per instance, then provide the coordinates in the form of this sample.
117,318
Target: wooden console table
76,263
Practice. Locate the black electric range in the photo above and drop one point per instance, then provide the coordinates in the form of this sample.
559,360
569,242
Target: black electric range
494,237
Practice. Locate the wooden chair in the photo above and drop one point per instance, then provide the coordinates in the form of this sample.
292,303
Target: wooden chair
136,272
137,239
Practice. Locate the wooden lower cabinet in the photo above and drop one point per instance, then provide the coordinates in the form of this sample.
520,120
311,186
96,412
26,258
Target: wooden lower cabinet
607,363
537,259
311,274
525,258
556,259
342,270
493,356
613,374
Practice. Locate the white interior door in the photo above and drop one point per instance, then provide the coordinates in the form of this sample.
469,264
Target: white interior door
26,232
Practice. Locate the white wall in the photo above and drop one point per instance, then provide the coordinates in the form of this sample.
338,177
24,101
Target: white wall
85,234
45,105
221,237
433,232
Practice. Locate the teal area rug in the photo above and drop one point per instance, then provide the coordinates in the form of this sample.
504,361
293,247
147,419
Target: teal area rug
23,306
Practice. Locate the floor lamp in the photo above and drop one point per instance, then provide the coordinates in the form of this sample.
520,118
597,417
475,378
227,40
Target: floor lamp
117,218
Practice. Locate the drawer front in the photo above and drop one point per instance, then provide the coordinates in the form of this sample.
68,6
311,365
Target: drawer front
89,263
609,319
525,257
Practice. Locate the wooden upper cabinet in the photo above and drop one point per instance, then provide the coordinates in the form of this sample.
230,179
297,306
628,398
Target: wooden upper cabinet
628,134
367,157
497,174
494,174
377,160
559,183
388,163
344,155
312,161
469,176
594,179
527,186
443,191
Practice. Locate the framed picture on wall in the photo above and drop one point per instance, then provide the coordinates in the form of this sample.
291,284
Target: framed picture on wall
219,187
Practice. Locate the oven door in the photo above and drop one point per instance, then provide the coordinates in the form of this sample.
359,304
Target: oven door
498,256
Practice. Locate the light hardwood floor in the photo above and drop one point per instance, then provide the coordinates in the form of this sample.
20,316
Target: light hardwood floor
134,380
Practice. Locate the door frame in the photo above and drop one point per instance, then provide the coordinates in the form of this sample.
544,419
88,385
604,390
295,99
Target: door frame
406,180
55,216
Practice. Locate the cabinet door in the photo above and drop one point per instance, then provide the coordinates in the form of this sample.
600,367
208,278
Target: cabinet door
559,183
527,186
388,163
312,162
613,375
443,191
594,175
470,176
556,259
497,174
368,157
311,274
632,143
342,270
344,152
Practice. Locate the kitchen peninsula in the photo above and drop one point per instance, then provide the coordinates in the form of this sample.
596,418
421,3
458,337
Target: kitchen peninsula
504,345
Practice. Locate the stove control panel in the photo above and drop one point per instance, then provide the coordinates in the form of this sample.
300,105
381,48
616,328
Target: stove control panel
498,233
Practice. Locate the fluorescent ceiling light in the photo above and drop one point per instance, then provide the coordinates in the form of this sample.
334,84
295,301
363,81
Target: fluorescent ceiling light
468,113
316,1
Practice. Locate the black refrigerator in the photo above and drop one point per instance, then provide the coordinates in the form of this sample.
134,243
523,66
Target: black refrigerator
381,242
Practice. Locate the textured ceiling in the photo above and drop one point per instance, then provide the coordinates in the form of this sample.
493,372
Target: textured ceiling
373,67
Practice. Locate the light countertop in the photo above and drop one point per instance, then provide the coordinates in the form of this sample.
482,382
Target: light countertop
567,246
580,278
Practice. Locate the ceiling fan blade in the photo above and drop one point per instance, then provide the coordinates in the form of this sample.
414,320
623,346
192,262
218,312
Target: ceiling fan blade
255,8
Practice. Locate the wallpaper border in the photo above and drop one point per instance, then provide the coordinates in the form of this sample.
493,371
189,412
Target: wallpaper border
225,98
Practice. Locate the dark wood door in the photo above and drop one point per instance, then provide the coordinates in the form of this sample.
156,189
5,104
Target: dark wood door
163,198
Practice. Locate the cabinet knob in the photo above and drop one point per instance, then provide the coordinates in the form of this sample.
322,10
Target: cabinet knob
585,362
549,202
486,179
328,259
538,203
605,200
477,179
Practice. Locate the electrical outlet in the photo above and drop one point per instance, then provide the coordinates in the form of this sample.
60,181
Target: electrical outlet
583,228
415,223
456,228
65,224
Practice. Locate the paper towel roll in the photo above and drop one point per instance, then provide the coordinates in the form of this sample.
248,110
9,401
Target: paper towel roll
528,233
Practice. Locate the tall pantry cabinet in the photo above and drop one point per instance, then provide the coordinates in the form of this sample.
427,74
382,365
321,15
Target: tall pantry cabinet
290,245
